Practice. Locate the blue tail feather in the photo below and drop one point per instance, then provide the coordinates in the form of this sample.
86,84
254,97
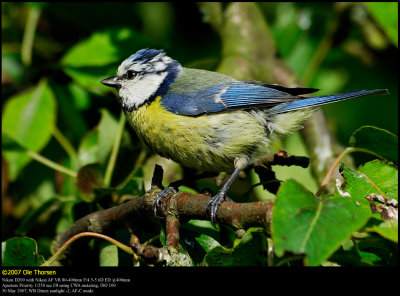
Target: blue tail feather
317,101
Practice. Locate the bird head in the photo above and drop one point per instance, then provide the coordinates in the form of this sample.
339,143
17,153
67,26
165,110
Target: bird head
142,77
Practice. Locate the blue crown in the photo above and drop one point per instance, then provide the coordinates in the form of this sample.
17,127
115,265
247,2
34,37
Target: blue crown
145,55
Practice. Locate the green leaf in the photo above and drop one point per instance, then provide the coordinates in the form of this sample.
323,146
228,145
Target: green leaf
87,152
376,176
134,186
9,144
89,78
108,254
163,237
20,251
207,242
386,14
97,144
369,257
377,140
71,117
305,224
31,219
250,250
101,48
387,229
98,57
370,250
29,119
286,29
195,237
38,5
107,128
80,96
11,65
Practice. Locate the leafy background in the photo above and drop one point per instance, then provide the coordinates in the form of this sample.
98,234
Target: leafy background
55,54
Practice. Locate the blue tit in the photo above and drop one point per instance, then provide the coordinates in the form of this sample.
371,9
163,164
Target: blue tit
208,121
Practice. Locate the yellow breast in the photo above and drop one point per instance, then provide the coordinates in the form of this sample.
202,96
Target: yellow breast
206,143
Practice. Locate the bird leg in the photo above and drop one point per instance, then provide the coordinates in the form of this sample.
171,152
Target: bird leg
160,196
173,188
240,163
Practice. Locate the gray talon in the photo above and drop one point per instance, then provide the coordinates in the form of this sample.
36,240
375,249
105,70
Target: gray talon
159,197
212,206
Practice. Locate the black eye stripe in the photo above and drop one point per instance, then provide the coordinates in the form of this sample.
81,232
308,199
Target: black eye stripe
130,74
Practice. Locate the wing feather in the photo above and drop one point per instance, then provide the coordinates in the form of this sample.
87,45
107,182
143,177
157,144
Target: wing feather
232,95
252,95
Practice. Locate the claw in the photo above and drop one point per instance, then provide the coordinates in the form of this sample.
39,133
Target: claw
159,197
212,206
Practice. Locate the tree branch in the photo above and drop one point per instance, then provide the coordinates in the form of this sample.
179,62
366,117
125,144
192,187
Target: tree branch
187,206
178,208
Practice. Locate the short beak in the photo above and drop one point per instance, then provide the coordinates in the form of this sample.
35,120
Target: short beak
111,82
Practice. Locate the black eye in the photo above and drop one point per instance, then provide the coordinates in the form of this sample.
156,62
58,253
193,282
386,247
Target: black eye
131,74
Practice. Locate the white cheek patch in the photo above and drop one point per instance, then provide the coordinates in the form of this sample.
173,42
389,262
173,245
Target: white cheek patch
159,66
134,93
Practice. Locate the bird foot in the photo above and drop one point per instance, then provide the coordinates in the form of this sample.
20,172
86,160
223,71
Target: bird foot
212,206
159,197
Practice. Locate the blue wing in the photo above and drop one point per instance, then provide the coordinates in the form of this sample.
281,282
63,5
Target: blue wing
232,95
317,101
248,95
